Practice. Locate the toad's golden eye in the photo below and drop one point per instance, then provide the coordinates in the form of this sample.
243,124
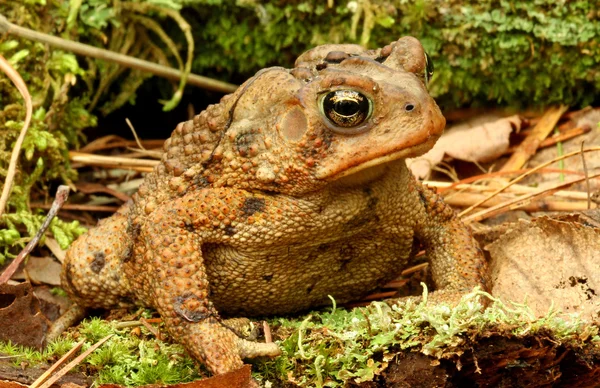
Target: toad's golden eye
346,108
428,68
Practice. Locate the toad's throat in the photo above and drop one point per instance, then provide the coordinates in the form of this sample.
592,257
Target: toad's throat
364,176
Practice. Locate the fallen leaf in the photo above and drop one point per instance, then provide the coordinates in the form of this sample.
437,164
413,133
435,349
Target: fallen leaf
41,270
477,140
549,261
22,321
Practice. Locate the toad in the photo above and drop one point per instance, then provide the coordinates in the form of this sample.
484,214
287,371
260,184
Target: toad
291,189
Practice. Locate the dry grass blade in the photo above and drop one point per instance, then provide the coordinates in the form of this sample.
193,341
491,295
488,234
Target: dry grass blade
515,189
530,145
548,205
113,161
517,202
522,176
16,79
61,196
498,173
56,365
74,363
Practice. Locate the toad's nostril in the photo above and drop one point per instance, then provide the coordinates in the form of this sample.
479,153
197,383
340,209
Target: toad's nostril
409,107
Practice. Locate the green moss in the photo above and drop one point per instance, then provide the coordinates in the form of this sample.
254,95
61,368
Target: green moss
126,359
516,54
341,346
329,348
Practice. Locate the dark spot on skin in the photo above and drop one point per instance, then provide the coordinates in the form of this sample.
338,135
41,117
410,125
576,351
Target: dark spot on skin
134,229
323,247
357,221
230,230
422,197
128,254
98,262
190,315
327,139
311,287
200,181
346,254
267,278
253,205
372,200
189,227
321,66
243,141
380,59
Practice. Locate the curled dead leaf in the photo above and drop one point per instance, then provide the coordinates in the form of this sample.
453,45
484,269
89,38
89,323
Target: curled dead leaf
483,140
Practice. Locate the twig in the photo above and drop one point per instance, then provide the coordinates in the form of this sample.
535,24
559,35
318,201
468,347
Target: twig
523,176
500,173
587,178
567,135
107,55
99,160
74,206
467,199
515,189
151,328
518,202
532,142
16,79
267,332
74,363
61,196
56,365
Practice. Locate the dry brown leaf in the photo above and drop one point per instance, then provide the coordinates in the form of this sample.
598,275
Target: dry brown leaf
41,270
481,140
549,261
22,321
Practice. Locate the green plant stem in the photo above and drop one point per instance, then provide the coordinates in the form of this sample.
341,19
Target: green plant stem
107,55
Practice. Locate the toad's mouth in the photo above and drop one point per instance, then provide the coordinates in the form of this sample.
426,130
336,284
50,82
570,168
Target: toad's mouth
374,168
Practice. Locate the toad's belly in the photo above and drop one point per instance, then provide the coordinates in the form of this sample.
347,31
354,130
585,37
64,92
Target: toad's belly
280,280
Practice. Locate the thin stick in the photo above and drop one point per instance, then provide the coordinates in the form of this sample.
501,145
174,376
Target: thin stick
587,179
532,142
56,365
61,196
77,207
99,160
515,189
111,56
16,79
523,176
74,363
501,173
518,202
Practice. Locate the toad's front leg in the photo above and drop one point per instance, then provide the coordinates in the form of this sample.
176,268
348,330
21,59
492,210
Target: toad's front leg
457,264
169,272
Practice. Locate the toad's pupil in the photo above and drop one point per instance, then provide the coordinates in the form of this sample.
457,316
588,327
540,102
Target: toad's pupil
346,107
